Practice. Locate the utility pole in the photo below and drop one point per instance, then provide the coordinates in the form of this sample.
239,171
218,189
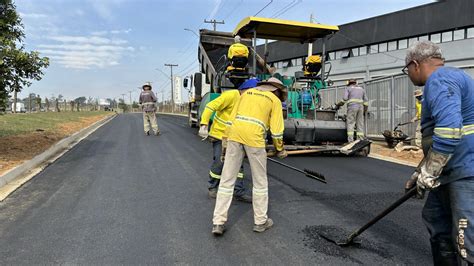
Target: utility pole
123,100
214,22
130,92
172,85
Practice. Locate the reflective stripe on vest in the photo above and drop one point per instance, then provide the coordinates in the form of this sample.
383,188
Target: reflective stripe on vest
448,133
277,136
355,101
210,108
261,192
468,130
252,121
150,103
222,121
454,133
225,191
215,176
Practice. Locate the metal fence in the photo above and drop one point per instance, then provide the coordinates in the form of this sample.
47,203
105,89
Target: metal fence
391,101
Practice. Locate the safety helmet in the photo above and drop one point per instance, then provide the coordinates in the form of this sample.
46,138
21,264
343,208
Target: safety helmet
237,38
250,83
418,92
351,81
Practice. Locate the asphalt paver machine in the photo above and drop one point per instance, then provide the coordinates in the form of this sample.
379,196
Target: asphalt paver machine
308,127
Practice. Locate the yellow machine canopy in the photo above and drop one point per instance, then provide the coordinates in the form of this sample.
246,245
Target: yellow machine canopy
282,30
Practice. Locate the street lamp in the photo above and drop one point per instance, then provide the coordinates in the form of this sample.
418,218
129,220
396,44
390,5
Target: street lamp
192,32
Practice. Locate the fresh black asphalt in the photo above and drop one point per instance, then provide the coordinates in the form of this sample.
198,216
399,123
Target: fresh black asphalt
120,197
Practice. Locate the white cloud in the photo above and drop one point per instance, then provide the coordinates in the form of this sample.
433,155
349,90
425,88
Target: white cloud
85,52
33,15
104,32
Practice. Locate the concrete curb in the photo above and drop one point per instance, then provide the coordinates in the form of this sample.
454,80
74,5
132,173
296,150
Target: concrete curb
392,160
21,174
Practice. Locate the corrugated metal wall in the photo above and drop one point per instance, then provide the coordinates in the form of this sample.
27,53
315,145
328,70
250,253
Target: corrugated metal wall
391,102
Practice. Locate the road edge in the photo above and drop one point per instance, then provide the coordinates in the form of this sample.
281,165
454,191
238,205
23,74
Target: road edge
392,160
16,177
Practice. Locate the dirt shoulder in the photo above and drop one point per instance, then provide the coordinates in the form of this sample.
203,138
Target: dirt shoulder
380,148
17,148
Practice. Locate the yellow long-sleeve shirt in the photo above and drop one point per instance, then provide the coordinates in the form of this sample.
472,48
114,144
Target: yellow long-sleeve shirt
223,106
256,112
418,109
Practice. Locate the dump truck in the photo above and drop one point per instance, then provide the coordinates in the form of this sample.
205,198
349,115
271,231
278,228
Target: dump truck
308,127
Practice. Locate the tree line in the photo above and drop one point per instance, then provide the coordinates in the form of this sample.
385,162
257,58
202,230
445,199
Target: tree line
18,68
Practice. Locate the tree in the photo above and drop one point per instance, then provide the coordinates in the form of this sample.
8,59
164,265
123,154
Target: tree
17,67
122,105
80,101
46,103
60,98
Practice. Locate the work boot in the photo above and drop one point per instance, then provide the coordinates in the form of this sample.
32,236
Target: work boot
260,228
157,133
147,133
212,193
243,198
218,229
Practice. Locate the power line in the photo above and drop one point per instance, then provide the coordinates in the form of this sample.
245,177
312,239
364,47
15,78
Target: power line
236,7
290,7
171,80
271,1
276,13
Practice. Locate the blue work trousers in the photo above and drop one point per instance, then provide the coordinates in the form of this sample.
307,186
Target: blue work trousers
216,171
449,216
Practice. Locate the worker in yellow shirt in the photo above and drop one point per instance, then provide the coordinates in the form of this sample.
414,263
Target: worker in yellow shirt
418,97
222,107
238,55
259,109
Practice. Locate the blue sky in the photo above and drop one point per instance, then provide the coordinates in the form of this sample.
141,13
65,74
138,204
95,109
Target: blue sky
103,48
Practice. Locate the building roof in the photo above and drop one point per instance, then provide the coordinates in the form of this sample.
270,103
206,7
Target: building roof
429,18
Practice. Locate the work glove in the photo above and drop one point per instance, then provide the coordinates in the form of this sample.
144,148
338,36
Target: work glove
203,133
427,177
282,154
366,109
339,104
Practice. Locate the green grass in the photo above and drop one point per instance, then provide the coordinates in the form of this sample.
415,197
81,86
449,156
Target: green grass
13,124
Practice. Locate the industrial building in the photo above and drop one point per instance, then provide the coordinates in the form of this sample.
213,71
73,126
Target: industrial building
375,47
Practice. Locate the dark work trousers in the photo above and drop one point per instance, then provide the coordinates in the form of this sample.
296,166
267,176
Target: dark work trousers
216,171
449,216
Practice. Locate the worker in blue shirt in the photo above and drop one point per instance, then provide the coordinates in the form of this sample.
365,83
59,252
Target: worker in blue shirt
447,171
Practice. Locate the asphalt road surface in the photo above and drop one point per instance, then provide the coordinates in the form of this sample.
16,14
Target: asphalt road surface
120,197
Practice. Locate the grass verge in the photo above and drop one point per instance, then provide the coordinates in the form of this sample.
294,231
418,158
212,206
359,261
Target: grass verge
16,124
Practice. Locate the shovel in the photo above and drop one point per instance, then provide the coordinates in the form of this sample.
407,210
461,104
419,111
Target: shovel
309,173
350,239
402,124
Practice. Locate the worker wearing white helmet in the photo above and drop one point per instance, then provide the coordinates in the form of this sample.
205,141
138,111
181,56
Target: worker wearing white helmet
148,102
